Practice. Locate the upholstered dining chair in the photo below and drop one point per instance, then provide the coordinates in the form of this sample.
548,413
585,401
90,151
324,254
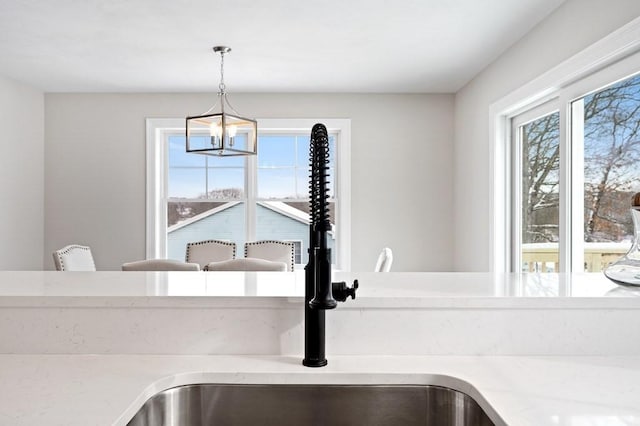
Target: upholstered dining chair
74,257
247,264
275,251
160,265
207,251
385,259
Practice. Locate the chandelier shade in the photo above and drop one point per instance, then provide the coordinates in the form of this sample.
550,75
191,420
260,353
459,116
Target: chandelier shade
221,133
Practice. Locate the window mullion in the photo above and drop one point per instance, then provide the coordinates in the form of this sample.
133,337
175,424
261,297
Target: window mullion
565,245
251,183
575,138
206,176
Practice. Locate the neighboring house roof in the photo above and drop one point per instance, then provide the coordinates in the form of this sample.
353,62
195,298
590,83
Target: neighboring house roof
201,216
286,210
277,206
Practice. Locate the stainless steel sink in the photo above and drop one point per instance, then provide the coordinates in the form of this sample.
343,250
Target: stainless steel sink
301,405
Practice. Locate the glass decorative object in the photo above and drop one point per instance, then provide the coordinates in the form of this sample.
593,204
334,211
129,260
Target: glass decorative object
626,270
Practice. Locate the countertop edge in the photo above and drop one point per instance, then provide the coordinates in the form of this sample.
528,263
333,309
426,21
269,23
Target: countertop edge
294,302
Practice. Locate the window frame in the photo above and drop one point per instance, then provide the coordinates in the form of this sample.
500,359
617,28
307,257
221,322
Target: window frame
158,131
613,58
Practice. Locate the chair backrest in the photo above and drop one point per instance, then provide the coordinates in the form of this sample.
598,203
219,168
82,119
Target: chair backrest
276,251
247,264
74,257
160,265
384,260
207,251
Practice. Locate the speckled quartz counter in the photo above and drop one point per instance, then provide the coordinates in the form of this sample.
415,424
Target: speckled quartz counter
89,348
85,390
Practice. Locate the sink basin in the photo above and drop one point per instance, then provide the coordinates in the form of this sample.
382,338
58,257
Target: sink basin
325,405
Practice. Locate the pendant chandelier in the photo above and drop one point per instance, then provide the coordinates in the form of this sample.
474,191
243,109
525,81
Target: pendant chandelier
221,133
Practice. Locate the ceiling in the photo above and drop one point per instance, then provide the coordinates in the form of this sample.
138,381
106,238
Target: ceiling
406,46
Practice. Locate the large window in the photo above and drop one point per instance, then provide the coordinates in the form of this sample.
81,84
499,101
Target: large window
575,167
196,197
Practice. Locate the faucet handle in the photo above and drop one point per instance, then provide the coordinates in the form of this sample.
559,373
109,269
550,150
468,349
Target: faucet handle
341,291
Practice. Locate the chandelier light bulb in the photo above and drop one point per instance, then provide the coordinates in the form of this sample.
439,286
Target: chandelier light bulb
215,130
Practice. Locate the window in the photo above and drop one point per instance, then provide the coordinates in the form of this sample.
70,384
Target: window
537,216
195,197
574,169
297,252
609,133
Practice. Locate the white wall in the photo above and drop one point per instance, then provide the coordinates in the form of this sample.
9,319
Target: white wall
401,173
571,28
21,176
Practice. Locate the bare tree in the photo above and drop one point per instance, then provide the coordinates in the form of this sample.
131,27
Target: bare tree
611,166
540,168
611,156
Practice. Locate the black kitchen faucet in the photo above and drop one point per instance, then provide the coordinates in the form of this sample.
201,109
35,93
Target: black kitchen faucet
320,293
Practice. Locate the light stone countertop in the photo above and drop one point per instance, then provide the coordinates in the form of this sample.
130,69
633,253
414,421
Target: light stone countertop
524,391
65,363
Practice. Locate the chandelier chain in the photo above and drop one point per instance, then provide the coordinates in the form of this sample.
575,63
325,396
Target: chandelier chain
222,86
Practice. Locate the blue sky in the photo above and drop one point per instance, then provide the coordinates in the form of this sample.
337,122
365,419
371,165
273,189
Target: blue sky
282,168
